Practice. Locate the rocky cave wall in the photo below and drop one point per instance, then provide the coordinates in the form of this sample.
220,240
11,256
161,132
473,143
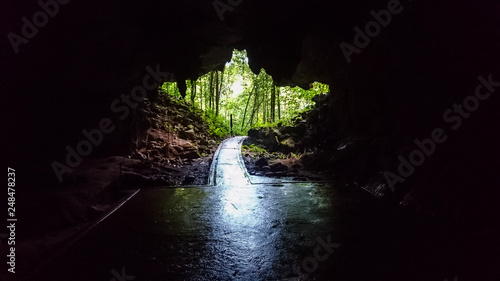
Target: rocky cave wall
427,58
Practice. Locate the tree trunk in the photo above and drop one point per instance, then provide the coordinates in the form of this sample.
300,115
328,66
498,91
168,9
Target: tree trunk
264,106
211,93
246,107
193,92
278,99
218,87
273,104
201,94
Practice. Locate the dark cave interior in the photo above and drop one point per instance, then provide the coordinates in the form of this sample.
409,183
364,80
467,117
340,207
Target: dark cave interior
418,73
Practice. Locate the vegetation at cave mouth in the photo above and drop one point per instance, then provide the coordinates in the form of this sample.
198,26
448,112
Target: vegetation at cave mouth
246,99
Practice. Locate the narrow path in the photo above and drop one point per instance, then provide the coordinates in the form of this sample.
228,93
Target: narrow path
227,167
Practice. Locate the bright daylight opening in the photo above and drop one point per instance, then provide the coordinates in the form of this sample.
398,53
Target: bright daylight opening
247,99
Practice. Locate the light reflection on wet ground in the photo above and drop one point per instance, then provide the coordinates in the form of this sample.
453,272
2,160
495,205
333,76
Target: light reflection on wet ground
265,232
251,227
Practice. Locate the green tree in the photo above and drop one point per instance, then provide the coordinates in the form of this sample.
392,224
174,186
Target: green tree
252,99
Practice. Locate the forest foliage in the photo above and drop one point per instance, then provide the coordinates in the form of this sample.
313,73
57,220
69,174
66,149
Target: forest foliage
249,100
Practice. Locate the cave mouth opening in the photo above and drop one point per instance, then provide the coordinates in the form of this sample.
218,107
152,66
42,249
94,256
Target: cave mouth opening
239,99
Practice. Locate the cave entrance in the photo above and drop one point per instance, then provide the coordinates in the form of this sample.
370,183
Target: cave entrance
235,99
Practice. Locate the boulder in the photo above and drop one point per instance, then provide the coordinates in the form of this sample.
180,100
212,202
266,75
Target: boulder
287,145
270,138
301,129
253,133
273,133
298,130
191,155
262,162
287,130
278,167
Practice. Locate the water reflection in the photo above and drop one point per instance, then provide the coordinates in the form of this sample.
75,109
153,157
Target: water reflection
249,224
242,241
